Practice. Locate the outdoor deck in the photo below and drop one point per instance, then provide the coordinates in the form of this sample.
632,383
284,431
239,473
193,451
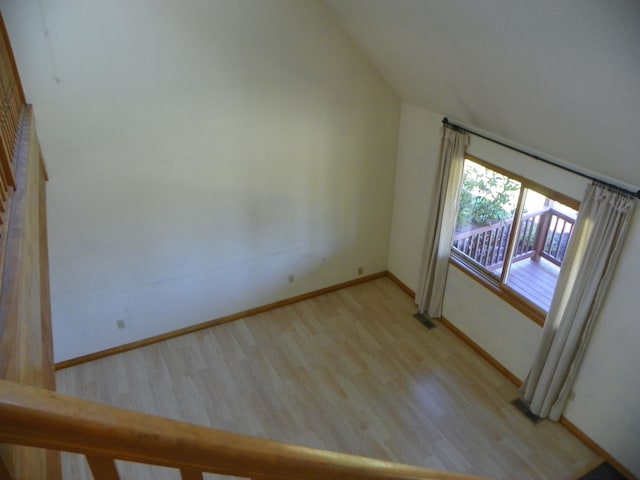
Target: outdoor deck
535,281
543,235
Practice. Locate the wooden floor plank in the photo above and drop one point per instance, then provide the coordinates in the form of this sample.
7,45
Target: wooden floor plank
351,371
535,281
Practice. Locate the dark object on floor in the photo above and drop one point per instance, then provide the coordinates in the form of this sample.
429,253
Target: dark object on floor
521,405
426,321
604,471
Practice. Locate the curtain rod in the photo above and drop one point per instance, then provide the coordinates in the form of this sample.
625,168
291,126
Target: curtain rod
447,123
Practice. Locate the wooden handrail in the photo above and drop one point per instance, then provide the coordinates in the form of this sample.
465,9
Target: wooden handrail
46,419
26,354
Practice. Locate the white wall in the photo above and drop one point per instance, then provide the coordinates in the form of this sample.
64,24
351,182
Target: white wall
473,308
606,405
199,153
416,168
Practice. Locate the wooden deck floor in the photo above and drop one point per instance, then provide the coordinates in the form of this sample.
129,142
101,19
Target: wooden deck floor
535,281
351,371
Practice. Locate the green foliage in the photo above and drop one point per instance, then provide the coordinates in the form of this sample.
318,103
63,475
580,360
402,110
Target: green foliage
486,197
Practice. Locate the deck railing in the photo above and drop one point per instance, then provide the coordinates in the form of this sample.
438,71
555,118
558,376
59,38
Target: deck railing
544,233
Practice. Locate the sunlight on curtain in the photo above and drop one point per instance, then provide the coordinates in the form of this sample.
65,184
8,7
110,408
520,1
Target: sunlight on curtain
586,272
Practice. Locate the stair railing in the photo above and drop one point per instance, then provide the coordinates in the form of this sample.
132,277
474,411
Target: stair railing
41,418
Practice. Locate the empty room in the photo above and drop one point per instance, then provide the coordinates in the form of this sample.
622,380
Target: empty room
319,239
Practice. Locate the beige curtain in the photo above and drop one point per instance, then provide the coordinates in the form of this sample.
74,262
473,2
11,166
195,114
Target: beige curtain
430,292
584,277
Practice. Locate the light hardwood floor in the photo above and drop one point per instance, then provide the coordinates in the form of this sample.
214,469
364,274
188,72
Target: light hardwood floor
350,371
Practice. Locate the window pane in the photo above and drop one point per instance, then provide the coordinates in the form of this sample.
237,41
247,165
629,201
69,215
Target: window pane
542,240
487,205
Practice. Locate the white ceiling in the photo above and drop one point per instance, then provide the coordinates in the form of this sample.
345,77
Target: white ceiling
559,76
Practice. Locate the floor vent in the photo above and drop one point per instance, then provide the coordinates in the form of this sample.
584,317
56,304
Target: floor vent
523,407
426,321
604,471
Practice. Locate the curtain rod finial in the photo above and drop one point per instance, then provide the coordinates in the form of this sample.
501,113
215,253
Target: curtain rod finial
445,121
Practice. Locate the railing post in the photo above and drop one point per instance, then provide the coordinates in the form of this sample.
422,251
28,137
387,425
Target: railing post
541,234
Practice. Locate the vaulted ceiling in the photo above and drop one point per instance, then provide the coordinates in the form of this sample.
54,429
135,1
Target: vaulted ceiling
560,77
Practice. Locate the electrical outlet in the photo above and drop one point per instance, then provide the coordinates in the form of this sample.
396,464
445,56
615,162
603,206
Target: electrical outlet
360,270
291,278
120,324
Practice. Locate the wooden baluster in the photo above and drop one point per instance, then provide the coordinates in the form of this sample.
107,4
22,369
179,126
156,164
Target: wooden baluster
552,230
561,230
16,110
4,130
556,229
486,245
476,246
7,106
6,156
530,235
190,474
5,165
498,246
103,468
524,238
14,117
493,237
3,180
500,254
485,242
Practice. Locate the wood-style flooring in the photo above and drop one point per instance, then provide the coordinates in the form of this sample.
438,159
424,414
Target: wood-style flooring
350,371
535,281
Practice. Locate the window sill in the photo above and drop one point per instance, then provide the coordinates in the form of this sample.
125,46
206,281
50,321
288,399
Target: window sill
527,308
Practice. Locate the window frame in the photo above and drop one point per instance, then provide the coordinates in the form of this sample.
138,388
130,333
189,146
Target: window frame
481,275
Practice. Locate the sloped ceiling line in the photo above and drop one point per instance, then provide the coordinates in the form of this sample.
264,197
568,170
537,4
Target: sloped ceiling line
561,78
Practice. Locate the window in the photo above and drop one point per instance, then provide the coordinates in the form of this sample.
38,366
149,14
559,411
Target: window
511,234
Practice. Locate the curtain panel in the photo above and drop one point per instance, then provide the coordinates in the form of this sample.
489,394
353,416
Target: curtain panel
585,274
430,294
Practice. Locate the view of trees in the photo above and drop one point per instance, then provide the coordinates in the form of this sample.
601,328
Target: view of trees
486,197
